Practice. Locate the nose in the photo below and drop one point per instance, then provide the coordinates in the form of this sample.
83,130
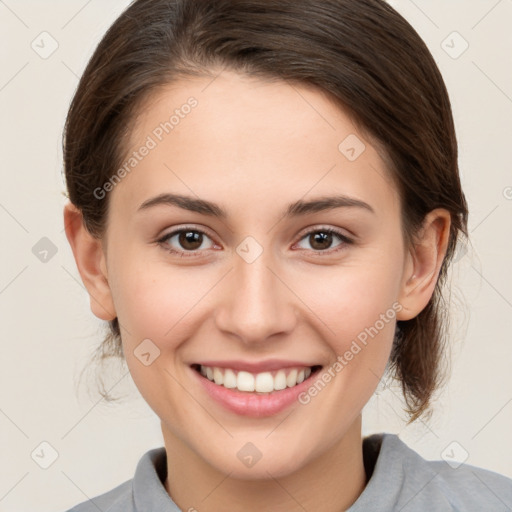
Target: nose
257,302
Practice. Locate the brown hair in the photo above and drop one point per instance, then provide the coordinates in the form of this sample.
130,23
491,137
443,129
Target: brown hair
362,53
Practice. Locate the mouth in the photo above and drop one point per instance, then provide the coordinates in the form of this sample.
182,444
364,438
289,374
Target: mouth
262,383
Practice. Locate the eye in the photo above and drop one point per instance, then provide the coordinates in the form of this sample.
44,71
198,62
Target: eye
185,240
188,241
321,240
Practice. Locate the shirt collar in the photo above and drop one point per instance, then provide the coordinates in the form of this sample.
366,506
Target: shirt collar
387,452
148,490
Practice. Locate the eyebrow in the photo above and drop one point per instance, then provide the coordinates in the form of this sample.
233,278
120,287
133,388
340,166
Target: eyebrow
295,209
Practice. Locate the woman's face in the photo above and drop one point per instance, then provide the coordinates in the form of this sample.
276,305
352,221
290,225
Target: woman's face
264,288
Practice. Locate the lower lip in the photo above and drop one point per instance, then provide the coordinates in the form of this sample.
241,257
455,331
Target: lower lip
253,404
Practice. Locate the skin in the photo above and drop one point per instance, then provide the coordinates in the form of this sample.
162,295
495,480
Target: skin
254,146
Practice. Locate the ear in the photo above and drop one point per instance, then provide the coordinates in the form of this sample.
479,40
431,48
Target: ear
423,263
90,260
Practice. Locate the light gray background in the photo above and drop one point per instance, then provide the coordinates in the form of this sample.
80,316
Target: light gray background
48,331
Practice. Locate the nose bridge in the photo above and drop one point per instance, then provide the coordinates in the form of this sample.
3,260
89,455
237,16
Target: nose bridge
257,304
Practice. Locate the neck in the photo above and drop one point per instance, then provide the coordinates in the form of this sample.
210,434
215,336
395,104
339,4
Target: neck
331,482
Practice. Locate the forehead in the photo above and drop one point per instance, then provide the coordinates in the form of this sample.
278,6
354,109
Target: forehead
233,138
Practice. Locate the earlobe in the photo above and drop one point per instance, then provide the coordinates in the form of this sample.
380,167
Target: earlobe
90,261
423,264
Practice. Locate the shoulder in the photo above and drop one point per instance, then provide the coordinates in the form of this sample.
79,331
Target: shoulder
411,483
131,495
472,486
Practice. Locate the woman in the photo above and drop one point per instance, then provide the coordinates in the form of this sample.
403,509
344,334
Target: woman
264,201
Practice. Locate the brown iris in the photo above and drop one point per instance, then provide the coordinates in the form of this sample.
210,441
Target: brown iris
320,240
190,240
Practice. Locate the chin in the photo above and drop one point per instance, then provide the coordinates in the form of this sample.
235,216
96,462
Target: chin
276,464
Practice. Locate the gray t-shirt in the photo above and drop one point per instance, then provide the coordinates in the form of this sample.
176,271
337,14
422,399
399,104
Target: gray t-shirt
400,480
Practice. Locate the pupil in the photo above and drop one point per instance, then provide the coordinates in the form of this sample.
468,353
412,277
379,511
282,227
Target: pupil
322,240
190,240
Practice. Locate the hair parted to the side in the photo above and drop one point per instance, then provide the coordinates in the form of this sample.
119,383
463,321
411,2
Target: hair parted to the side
362,53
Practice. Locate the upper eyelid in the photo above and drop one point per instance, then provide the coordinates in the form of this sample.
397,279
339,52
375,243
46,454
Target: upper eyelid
186,228
323,227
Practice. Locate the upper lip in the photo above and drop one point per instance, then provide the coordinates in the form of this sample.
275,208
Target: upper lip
257,367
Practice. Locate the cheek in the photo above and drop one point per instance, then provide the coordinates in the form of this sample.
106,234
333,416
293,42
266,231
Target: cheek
355,310
349,299
151,298
156,302
357,319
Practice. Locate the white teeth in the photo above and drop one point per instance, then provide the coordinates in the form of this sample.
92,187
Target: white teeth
280,380
218,376
264,382
229,379
291,380
245,381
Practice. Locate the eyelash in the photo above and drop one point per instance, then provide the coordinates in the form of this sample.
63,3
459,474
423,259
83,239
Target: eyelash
192,254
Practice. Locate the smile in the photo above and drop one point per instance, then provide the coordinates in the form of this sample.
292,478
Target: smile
264,382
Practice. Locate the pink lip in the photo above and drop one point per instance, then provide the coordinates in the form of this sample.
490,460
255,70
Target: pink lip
253,404
256,367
